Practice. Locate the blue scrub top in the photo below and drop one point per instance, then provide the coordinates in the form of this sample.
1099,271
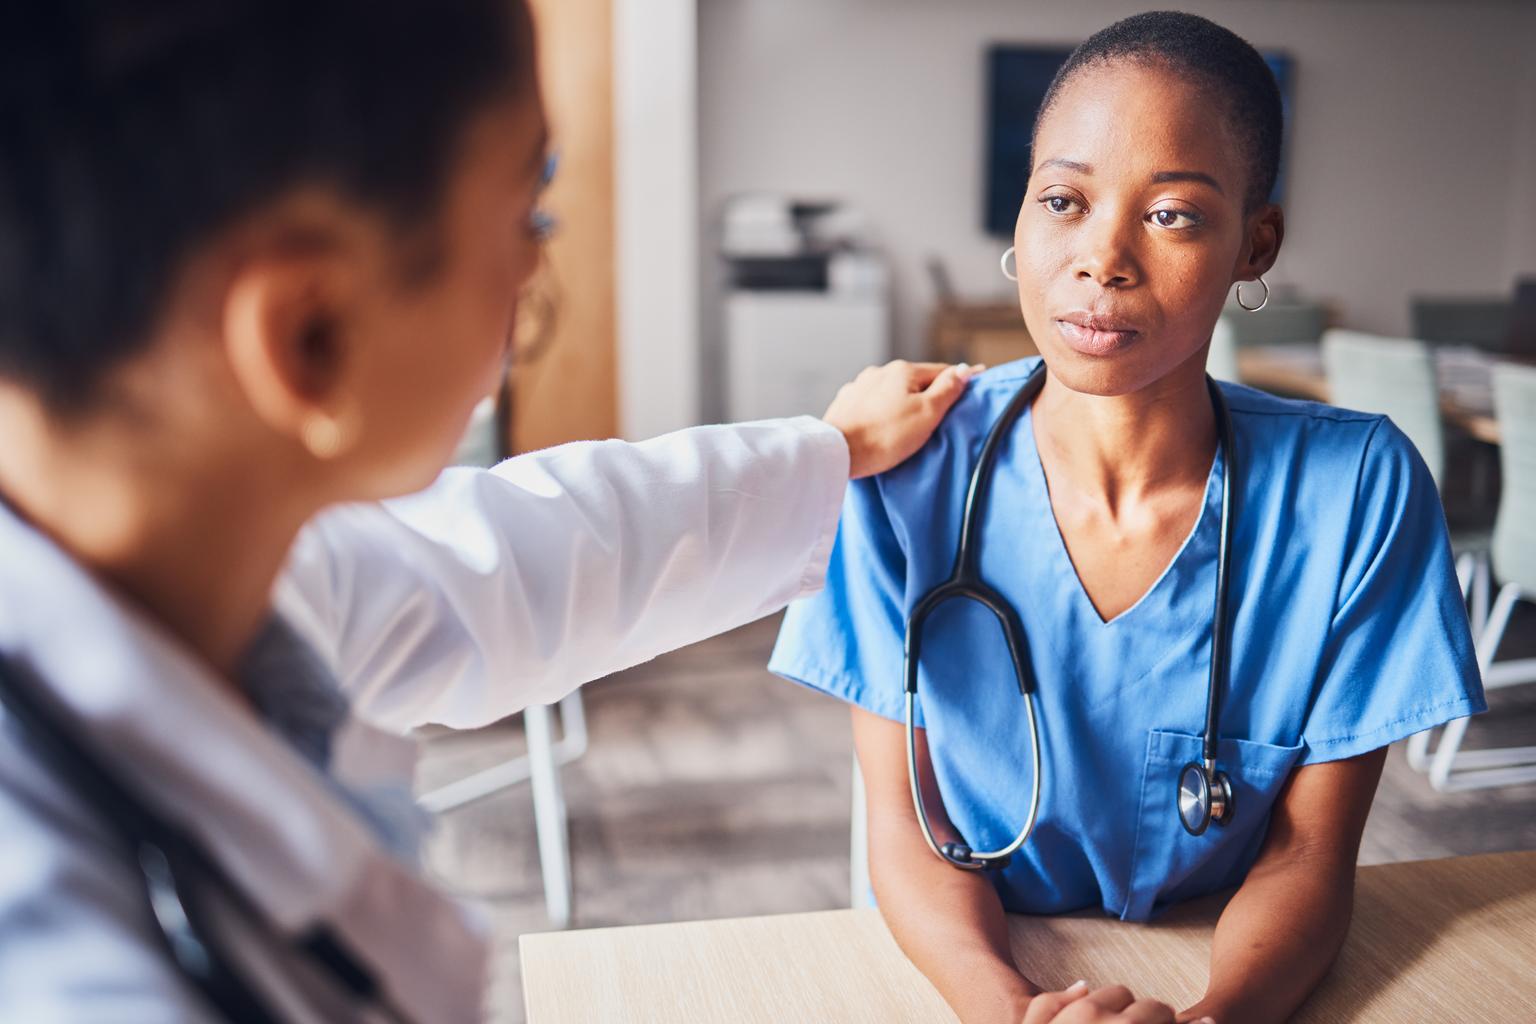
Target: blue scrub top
1348,632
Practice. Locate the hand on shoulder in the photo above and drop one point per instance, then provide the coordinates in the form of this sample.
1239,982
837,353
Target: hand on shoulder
888,412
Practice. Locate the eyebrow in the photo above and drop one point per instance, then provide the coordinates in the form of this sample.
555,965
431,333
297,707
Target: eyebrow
1160,178
1200,176
1071,165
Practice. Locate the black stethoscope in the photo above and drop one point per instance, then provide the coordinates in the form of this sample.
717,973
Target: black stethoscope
1204,791
175,869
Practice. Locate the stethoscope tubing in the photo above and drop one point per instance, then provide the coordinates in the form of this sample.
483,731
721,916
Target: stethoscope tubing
965,583
168,859
975,860
1219,653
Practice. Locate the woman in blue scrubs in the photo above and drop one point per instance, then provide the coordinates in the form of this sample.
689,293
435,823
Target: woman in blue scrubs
1154,157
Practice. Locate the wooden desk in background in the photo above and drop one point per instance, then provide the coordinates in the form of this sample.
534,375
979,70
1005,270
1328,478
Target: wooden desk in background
1297,369
995,334
990,334
1442,941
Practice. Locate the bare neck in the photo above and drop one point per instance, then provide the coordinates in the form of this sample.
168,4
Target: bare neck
1123,450
197,543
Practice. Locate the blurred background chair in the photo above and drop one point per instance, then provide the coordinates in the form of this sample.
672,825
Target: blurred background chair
484,445
1392,376
1396,377
1514,564
1221,360
1521,340
1284,320
1478,322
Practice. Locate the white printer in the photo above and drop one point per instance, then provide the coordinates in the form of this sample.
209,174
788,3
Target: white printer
808,305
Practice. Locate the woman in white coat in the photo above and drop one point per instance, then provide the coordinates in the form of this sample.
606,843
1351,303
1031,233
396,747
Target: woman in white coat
257,262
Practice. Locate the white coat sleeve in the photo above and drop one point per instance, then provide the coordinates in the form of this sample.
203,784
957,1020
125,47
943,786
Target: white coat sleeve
496,589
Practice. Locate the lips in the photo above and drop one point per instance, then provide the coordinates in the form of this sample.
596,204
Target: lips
1096,334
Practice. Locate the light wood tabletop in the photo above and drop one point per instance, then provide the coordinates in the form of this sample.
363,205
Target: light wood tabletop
1466,391
1443,940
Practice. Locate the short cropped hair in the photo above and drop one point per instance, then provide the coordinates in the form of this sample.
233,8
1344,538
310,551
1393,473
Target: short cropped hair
1213,57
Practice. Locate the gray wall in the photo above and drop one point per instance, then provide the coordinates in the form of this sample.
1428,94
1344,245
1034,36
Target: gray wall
1412,169
1522,223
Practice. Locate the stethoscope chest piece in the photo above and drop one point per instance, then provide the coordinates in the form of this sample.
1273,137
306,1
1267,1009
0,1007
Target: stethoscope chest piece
1205,795
963,857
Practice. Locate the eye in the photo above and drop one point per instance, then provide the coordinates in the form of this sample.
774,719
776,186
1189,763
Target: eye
1176,219
1060,205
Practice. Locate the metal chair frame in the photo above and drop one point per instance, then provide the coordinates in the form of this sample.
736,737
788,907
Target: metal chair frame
1449,767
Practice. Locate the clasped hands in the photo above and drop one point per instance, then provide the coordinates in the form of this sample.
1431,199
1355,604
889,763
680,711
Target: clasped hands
1114,1004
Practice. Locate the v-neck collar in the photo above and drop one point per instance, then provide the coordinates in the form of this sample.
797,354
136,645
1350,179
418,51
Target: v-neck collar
1060,560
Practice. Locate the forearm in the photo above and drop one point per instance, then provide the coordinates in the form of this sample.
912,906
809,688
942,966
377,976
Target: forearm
951,925
1276,940
496,589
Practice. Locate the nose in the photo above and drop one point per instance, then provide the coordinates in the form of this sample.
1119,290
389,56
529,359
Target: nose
1107,257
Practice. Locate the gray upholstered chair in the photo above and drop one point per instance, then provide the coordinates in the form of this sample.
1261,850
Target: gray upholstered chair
1514,563
1394,376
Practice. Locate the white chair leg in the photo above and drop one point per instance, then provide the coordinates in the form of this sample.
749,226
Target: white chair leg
1498,621
513,771
476,787
858,845
1444,758
1445,755
1474,575
573,729
549,815
1418,751
1482,587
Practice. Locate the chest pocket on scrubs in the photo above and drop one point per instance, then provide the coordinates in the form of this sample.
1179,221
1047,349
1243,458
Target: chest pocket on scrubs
1169,865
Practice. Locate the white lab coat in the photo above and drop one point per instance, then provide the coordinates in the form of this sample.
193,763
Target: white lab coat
461,605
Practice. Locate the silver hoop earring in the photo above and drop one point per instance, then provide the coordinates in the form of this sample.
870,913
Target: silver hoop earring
1262,302
1011,275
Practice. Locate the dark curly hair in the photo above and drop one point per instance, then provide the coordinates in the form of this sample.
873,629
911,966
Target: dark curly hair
133,130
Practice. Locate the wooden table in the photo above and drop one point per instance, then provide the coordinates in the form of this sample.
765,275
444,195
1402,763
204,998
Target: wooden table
1443,941
1297,369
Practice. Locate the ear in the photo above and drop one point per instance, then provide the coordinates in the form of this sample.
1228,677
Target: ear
281,329
1265,233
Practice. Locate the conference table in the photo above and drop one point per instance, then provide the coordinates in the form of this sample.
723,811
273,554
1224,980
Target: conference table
1444,940
1465,378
